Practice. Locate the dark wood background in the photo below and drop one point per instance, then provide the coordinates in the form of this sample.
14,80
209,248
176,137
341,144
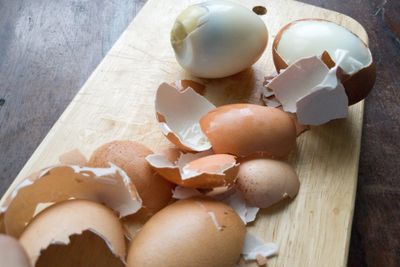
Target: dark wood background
49,48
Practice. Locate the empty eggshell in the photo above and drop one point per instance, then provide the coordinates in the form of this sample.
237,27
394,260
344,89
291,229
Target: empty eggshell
316,37
245,129
265,182
154,191
194,232
215,39
196,170
178,114
12,254
110,186
56,224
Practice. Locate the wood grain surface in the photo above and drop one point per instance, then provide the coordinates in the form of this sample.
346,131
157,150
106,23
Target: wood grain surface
47,51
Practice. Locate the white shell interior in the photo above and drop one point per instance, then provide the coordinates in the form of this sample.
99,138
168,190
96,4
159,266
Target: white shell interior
312,37
182,112
254,246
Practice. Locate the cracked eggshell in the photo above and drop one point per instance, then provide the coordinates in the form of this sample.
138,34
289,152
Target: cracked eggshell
215,39
265,182
110,186
193,232
182,85
130,157
316,37
196,170
12,254
245,129
178,114
57,224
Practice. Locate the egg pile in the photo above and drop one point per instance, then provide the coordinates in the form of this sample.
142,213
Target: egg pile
189,205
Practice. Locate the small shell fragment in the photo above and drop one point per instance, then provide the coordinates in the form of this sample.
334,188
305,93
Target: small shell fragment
179,113
254,247
57,224
110,186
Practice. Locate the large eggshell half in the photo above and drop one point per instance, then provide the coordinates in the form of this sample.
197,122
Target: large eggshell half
179,113
58,223
245,129
110,186
130,157
12,254
265,182
199,170
316,37
193,232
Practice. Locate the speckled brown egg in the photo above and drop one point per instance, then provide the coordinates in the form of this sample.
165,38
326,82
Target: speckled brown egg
265,182
130,156
193,232
245,129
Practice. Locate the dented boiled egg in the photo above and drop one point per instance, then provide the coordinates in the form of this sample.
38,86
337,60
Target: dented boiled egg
265,182
194,232
315,37
218,38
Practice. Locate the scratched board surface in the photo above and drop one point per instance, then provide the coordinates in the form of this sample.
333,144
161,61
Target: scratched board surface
117,102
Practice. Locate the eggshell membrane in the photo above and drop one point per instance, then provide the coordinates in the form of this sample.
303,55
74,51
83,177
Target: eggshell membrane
57,223
110,186
196,170
357,85
245,129
182,85
12,254
265,182
154,191
178,113
194,232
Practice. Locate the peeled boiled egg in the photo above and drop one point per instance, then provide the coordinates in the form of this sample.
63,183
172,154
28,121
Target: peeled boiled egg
315,37
130,157
194,232
265,182
218,38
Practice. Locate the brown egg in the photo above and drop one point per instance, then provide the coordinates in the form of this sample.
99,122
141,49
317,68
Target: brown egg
317,37
130,156
12,254
193,232
245,129
57,224
264,182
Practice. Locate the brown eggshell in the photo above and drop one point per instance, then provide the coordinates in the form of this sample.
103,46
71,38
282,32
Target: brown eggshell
193,232
55,226
130,157
357,86
245,129
73,157
196,170
182,85
12,254
110,186
265,182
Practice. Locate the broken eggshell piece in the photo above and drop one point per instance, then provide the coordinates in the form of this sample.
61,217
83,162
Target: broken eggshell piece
245,129
110,186
199,170
194,232
316,37
179,113
254,246
312,91
56,224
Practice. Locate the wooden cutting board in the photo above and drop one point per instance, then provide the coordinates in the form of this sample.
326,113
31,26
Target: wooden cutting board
117,102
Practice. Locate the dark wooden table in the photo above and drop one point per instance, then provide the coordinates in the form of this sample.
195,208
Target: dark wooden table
49,48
